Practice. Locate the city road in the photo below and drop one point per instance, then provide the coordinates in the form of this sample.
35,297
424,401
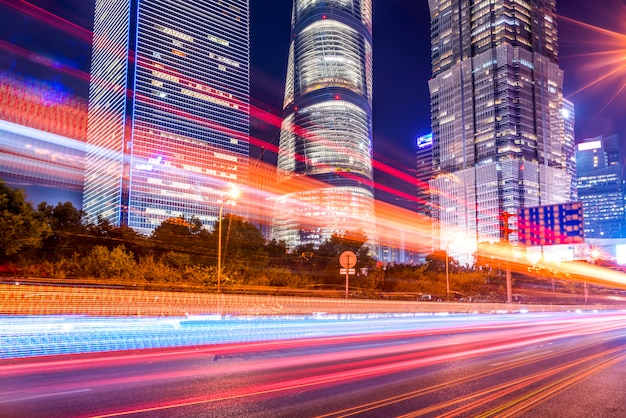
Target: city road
540,365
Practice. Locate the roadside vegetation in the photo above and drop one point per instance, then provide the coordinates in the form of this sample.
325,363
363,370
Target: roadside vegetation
57,242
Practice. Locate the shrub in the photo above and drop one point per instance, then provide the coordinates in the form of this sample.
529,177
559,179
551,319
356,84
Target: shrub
152,271
116,263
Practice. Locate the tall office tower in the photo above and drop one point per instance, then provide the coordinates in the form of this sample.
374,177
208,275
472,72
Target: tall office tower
326,134
424,173
168,109
601,187
569,147
497,120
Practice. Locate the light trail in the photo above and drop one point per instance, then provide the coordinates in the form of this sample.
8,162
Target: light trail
48,18
604,62
279,372
342,367
550,390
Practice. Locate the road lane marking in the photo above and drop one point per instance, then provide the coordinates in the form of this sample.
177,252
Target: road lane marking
520,358
45,395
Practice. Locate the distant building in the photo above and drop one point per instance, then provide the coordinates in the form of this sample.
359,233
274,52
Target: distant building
424,173
43,107
569,147
326,134
601,187
497,118
42,140
168,110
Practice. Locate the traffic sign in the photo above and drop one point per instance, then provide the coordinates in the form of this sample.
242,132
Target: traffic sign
347,271
347,259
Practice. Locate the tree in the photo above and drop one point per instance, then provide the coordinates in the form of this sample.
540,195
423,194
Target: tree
20,225
242,242
437,261
63,217
103,232
183,235
172,230
104,263
277,252
353,241
68,226
102,228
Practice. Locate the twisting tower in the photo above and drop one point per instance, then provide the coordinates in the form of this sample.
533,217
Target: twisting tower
326,134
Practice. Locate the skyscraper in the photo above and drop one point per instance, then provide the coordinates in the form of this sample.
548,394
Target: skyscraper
326,134
496,113
601,187
168,109
569,146
424,172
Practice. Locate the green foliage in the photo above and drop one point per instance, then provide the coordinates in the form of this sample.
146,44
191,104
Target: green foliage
242,242
104,263
63,217
182,252
20,226
355,241
470,283
437,261
69,230
176,260
283,277
153,271
277,252
63,267
182,235
200,275
172,229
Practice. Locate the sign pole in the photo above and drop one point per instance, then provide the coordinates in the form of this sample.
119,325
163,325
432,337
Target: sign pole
347,259
347,278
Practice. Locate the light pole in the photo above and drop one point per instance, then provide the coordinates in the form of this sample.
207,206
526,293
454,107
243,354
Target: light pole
447,275
233,193
448,242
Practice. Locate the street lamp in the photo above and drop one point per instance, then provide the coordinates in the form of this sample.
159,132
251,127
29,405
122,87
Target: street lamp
233,193
447,276
451,240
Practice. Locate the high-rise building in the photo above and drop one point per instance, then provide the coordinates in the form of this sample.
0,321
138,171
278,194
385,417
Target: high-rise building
601,187
497,117
168,109
424,173
326,134
569,146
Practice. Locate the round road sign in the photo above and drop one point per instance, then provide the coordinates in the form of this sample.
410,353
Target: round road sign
347,259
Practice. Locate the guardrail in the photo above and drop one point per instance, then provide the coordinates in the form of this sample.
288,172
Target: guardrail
28,299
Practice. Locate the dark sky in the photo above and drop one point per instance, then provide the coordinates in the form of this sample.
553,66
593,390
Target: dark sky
401,64
402,67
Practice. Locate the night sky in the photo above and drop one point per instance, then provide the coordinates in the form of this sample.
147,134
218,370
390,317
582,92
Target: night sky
401,65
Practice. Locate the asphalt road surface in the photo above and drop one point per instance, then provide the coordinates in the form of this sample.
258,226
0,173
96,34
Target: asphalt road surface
546,365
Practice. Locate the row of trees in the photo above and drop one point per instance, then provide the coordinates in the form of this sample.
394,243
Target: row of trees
58,241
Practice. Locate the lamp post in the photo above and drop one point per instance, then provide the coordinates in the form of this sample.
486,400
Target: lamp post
447,277
451,240
233,193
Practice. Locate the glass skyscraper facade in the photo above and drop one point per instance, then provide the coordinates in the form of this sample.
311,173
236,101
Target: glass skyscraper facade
569,146
601,187
168,117
497,117
326,134
424,172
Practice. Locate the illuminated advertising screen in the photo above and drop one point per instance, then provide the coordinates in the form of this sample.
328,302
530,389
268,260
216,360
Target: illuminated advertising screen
551,224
